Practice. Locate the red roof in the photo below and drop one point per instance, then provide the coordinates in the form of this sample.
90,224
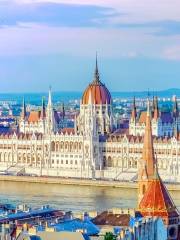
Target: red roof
34,116
98,93
68,131
142,118
157,201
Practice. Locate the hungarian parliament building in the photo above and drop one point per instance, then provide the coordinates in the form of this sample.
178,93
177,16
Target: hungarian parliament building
94,148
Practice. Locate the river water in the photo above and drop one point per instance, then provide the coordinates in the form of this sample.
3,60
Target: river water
75,198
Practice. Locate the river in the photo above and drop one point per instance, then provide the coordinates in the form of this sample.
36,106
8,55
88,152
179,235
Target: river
74,198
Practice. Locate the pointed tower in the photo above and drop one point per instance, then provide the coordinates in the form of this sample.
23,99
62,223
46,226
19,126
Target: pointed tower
156,109
146,168
153,104
23,113
134,112
63,111
96,73
154,198
50,121
43,109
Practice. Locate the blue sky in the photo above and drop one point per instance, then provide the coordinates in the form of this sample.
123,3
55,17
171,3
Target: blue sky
53,42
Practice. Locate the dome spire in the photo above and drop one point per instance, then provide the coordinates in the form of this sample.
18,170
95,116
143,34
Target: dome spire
96,73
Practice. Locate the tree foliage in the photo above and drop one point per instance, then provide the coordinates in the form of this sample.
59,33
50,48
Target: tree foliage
109,236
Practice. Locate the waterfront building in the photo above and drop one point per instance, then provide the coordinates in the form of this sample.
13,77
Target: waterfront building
163,123
94,148
153,197
44,121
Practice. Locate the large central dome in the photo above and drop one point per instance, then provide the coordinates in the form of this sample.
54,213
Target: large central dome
96,92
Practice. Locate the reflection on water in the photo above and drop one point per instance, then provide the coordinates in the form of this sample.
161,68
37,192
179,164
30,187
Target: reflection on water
75,198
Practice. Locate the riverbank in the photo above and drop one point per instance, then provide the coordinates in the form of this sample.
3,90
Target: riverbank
79,182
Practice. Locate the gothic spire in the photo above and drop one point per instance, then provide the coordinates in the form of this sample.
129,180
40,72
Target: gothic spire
43,109
50,97
153,104
23,114
148,156
63,111
156,108
96,73
134,112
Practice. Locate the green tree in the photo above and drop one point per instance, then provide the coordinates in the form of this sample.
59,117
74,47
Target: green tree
109,236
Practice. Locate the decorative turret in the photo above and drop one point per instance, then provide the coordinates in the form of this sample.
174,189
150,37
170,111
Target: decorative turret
23,113
50,121
156,108
134,112
63,111
43,109
153,103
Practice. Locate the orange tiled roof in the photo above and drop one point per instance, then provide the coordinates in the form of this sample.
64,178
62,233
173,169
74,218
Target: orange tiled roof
157,201
98,92
34,116
68,131
142,118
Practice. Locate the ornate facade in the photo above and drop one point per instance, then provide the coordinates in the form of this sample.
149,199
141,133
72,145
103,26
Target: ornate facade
92,149
163,123
44,121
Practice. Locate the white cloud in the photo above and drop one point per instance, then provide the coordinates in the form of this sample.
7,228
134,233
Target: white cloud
126,42
41,39
133,11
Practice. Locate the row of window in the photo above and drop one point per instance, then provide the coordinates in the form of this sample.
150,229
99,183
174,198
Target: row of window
65,162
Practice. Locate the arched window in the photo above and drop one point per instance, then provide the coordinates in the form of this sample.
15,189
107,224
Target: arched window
143,189
109,161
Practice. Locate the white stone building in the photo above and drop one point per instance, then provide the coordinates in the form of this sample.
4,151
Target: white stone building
163,123
93,149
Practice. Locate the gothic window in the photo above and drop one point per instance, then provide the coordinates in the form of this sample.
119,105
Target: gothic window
80,146
62,146
110,162
57,146
104,161
66,146
71,147
143,189
52,146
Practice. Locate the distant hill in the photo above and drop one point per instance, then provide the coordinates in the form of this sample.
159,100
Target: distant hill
35,98
163,93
